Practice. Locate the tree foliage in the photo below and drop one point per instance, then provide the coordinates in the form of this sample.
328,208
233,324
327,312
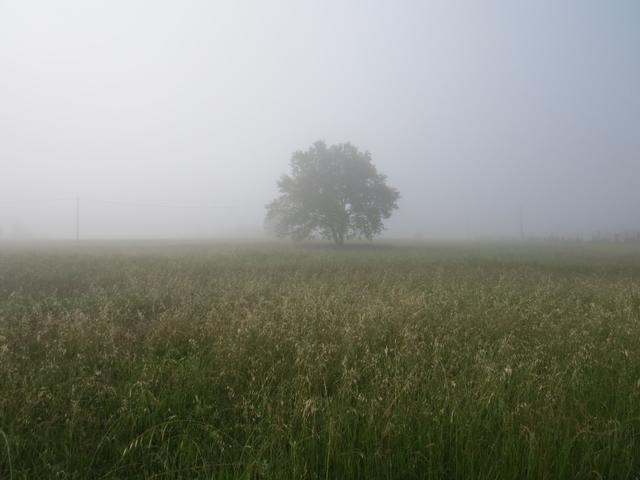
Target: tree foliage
333,192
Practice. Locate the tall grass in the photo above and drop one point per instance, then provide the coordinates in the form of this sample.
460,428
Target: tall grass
266,362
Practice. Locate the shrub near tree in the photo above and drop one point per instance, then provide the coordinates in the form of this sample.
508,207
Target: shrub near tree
334,192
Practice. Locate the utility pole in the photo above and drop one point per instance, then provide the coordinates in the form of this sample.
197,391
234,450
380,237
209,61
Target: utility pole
77,219
521,224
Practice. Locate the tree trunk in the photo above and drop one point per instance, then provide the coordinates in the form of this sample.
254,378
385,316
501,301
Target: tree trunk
337,236
334,234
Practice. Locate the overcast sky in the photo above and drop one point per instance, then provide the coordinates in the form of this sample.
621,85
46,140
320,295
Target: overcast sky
471,108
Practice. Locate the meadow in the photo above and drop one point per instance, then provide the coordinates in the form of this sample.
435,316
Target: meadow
250,361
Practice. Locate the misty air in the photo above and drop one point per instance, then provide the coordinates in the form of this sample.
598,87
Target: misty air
299,239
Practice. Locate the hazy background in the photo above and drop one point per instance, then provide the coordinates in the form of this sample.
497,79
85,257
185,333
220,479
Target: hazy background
472,109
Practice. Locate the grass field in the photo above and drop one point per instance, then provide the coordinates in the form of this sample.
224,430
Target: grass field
154,360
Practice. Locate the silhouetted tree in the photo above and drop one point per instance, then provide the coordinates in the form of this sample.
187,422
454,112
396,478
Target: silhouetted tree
334,192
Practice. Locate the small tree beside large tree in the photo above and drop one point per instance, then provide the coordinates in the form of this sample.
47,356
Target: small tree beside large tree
333,192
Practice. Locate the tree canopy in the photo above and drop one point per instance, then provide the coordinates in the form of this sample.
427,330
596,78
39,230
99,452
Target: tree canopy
334,192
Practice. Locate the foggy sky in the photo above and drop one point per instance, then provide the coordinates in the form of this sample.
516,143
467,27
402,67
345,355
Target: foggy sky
472,109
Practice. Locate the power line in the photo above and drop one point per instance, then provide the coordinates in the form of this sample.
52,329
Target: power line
37,201
126,204
93,200
164,205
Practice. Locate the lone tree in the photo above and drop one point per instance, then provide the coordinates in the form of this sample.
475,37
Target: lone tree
334,192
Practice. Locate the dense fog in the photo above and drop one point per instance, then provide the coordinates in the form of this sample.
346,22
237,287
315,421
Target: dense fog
494,119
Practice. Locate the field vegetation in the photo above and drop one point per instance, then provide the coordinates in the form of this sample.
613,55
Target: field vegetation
266,361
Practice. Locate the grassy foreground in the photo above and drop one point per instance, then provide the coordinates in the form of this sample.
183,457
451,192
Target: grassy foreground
216,362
